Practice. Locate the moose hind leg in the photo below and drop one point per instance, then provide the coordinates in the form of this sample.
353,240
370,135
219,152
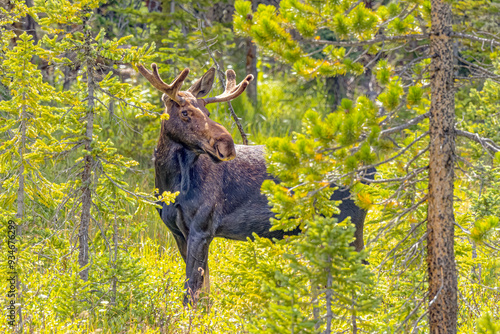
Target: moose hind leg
349,209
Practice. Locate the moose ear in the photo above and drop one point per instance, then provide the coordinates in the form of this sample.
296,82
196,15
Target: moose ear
203,85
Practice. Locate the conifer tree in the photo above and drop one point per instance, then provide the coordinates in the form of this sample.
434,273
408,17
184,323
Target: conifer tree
47,128
29,121
346,37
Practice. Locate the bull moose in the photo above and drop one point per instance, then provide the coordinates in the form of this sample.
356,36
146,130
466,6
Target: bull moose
218,182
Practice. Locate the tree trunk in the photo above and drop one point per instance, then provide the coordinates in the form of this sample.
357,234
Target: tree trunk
22,146
83,235
251,68
21,204
30,24
329,297
440,227
336,91
112,261
251,64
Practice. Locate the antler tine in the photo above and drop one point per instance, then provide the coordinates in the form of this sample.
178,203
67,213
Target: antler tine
232,91
154,78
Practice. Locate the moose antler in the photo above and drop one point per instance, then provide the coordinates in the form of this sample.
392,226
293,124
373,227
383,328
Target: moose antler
170,90
232,91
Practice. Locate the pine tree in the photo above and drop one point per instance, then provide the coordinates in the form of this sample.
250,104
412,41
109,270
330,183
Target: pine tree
47,131
346,37
29,122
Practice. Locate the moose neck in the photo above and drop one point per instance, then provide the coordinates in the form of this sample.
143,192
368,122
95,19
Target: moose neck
174,165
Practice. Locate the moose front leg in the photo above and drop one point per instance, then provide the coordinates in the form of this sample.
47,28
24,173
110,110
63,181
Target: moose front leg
196,265
181,245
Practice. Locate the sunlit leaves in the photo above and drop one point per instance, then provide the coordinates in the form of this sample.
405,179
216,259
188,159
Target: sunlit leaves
383,72
487,325
363,22
340,25
391,97
484,227
167,197
415,95
274,31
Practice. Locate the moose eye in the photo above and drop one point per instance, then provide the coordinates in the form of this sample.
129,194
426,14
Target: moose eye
184,113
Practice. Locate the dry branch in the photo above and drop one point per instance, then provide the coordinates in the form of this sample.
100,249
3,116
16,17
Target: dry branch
222,80
492,42
406,125
487,143
371,41
479,68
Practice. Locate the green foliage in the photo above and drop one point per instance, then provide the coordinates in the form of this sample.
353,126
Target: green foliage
486,325
318,39
305,282
271,31
44,134
300,284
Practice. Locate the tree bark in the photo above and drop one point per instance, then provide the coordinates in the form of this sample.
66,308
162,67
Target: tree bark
112,261
251,64
30,24
251,68
83,234
440,250
22,147
328,296
20,203
336,91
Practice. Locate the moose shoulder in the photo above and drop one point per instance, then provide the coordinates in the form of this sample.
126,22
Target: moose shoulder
218,182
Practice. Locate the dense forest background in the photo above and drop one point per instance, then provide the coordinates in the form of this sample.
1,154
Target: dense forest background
341,86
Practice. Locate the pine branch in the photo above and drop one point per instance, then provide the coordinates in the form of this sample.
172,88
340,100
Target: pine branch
396,179
492,42
397,155
372,41
395,248
414,61
371,62
478,77
477,67
391,223
384,133
399,16
486,143
144,111
354,5
419,154
139,196
406,125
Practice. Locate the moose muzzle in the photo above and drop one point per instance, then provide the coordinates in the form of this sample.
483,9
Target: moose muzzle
224,148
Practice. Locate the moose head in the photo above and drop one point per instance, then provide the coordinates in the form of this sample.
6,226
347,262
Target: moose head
189,123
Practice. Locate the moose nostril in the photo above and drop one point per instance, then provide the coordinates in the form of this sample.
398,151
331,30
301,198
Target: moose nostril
219,152
224,147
